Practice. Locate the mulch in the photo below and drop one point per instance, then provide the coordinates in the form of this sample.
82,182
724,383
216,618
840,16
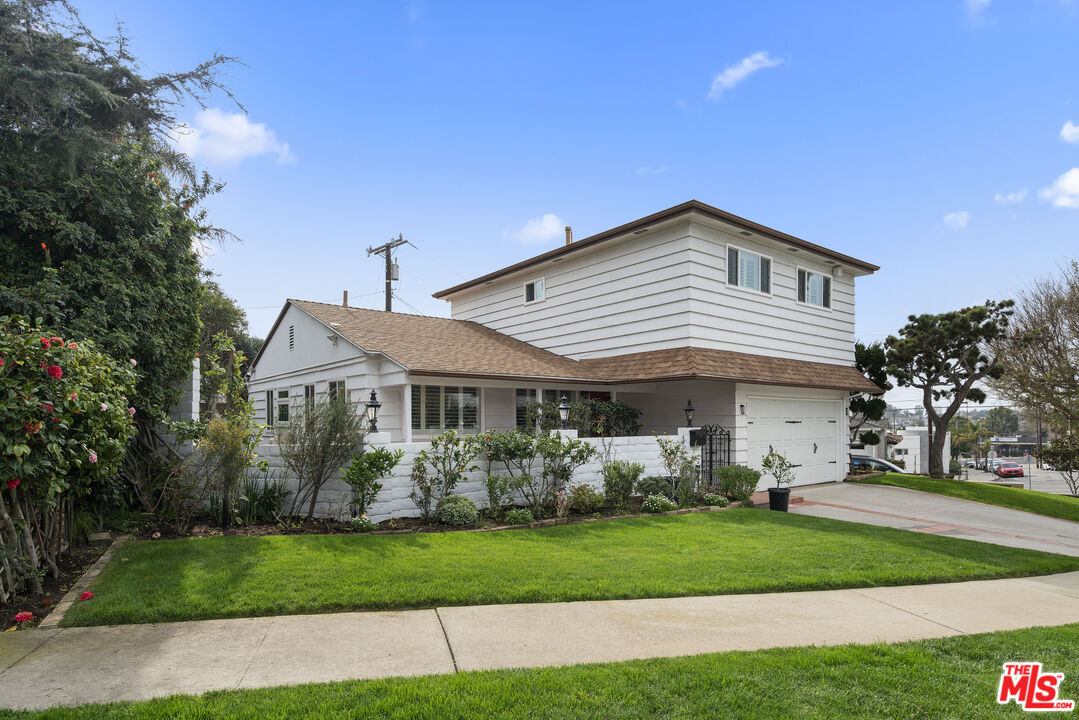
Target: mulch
72,567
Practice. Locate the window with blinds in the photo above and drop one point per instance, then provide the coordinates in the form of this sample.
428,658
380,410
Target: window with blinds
436,408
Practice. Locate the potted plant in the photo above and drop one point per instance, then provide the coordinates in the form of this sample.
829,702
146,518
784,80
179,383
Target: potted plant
782,470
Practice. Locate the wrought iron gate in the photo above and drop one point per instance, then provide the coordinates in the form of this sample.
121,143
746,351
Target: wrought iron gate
715,445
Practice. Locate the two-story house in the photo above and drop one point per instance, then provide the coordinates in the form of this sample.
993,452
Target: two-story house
754,326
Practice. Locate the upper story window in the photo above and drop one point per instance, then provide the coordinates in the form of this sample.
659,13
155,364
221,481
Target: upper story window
534,291
749,270
814,288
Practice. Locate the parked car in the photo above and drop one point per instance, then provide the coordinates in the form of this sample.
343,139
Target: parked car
1009,469
969,463
993,464
866,464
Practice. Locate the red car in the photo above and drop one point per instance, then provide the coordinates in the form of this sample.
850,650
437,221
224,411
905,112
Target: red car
1010,469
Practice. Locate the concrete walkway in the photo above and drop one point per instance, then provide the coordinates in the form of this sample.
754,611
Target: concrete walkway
43,668
938,514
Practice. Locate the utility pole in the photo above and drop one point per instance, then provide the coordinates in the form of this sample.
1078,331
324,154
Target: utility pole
387,252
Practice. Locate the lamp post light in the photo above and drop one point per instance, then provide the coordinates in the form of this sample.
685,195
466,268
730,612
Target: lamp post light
373,405
689,413
563,412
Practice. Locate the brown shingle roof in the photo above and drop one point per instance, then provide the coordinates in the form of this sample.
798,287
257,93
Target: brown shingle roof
728,365
458,348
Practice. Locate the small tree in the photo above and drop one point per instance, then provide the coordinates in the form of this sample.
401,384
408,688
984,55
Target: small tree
871,361
438,470
315,444
681,472
778,467
1063,456
1002,421
945,356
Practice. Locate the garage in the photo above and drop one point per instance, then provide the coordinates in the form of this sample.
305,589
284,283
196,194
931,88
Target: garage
803,430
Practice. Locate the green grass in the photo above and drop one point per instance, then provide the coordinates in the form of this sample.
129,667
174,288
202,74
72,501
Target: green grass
948,678
1049,504
735,551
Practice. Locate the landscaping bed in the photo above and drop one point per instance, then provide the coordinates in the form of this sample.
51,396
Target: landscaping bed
1064,507
949,677
72,565
737,551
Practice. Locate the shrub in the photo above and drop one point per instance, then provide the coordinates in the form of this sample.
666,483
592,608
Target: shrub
590,418
362,524
619,478
498,489
259,501
655,485
658,504
436,472
737,482
559,457
584,499
457,510
955,467
364,473
715,500
779,467
519,516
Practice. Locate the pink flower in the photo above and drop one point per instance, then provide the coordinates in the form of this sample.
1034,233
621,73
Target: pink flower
104,407
93,456
73,345
54,372
86,595
74,396
1,362
47,407
13,483
156,535
133,363
24,617
131,411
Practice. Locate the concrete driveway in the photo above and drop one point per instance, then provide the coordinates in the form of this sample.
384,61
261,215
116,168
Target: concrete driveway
937,514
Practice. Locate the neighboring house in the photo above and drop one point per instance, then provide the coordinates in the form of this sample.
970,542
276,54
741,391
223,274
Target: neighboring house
755,326
913,450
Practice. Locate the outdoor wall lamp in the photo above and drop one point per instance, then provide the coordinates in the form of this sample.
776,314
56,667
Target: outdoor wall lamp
563,412
689,413
741,409
373,405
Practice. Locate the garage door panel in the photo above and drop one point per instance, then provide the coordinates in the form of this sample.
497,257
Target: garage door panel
804,431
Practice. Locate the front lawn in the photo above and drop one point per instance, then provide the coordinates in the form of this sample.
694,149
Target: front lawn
949,678
735,551
1049,504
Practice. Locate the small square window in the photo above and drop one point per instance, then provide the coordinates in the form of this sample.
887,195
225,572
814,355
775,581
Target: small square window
749,270
534,291
814,288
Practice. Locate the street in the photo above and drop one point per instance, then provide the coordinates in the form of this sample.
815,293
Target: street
1034,479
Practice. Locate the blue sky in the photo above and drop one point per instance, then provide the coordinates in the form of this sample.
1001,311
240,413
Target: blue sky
934,139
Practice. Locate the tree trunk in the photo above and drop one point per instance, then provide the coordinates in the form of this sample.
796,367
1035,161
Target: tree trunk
28,539
936,447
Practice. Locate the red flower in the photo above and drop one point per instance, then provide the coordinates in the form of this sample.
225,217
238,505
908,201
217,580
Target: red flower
86,595
13,483
56,340
45,343
1,362
24,617
47,407
54,372
42,364
44,246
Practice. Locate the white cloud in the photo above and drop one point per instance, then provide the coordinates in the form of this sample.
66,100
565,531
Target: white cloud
1012,198
1063,193
975,7
734,74
540,230
228,138
1070,132
957,220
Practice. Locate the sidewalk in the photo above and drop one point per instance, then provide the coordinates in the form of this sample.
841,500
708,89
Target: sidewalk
43,668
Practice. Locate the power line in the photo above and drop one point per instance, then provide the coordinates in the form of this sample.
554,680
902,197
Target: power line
409,305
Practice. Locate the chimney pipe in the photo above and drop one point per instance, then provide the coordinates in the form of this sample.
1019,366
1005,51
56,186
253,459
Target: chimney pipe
344,299
569,235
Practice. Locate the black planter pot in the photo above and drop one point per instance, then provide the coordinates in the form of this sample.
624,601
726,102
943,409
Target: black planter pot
778,498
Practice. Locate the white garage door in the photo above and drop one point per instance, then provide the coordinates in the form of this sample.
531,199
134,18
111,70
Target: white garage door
802,430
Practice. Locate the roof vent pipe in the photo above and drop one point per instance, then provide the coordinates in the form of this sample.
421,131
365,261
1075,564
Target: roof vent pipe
569,235
344,299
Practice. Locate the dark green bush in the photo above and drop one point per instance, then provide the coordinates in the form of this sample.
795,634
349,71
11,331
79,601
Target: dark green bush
658,504
619,479
584,499
737,482
457,510
655,485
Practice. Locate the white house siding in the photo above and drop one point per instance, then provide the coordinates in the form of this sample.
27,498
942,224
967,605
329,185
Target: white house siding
665,289
621,297
394,501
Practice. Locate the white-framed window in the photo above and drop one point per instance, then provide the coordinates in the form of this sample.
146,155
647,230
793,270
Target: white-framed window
749,270
535,290
309,397
335,390
436,408
523,396
814,288
281,401
555,396
269,408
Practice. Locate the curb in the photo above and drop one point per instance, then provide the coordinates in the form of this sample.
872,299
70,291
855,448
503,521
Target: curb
52,620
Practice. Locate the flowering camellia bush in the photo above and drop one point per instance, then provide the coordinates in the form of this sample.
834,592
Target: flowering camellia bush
65,422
